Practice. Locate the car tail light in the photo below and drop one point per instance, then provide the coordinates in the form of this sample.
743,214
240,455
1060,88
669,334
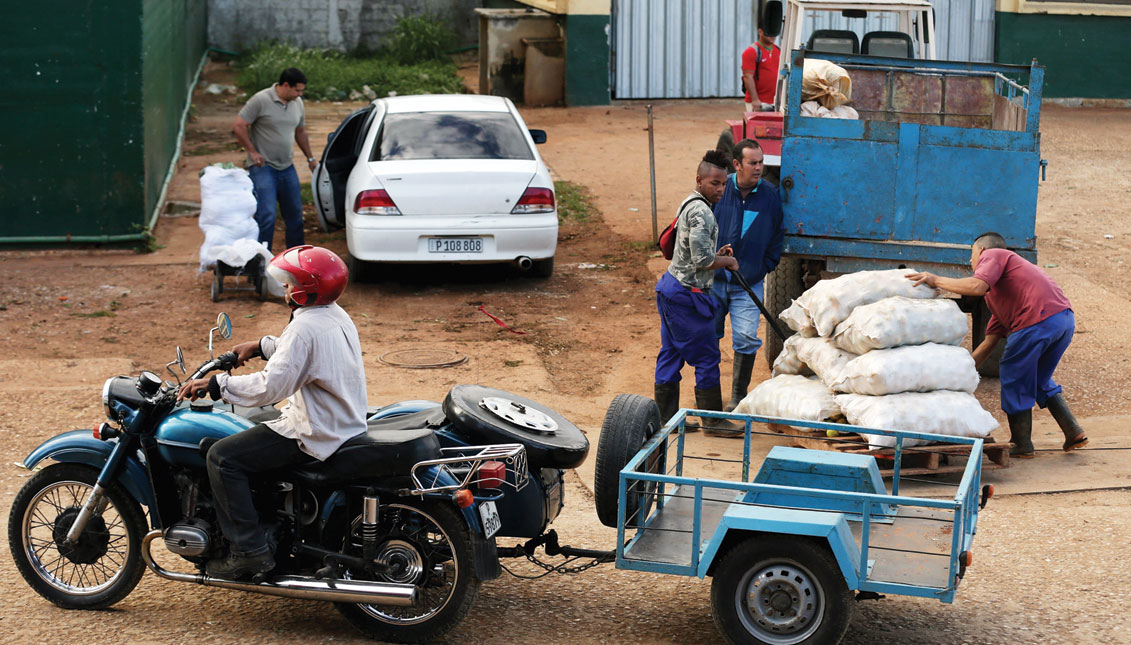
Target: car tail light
535,200
492,474
374,202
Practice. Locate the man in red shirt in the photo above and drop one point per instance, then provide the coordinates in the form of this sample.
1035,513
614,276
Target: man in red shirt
760,73
1030,310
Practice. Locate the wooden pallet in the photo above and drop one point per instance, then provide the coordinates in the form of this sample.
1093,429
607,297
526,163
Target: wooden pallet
932,459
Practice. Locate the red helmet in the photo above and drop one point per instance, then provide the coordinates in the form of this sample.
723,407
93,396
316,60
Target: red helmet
317,276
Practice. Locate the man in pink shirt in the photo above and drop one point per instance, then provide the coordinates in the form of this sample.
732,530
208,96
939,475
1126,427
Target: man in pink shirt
1031,312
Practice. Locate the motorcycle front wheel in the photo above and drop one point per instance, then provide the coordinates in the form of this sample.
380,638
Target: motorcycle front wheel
428,545
98,570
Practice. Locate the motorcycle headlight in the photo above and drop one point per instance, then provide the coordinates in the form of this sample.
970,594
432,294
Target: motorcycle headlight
106,399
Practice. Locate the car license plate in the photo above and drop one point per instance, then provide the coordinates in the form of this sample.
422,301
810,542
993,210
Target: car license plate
490,515
455,245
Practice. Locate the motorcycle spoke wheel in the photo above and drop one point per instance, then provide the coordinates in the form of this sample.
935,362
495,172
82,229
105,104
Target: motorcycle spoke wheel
102,566
427,546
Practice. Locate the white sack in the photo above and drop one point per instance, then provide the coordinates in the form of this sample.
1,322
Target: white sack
790,397
815,109
823,357
942,412
227,211
826,83
830,302
788,362
914,368
798,320
897,321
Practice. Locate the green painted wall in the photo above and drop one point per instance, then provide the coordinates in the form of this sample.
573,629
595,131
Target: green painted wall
587,59
172,44
91,108
1084,56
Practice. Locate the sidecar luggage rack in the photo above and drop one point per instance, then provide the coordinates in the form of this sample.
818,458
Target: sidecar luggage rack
462,463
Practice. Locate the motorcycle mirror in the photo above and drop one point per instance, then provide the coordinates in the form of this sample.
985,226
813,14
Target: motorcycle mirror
181,360
224,323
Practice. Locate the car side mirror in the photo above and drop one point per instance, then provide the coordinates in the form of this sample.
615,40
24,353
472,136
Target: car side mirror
539,136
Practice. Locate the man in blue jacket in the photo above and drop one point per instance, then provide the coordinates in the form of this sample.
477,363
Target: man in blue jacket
750,221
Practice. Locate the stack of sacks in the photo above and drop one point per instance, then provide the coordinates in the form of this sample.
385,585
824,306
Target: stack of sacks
891,350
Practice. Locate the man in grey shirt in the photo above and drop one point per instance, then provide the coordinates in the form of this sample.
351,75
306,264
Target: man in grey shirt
268,127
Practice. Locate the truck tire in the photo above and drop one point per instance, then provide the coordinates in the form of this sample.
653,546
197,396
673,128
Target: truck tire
780,589
629,423
726,144
980,317
785,284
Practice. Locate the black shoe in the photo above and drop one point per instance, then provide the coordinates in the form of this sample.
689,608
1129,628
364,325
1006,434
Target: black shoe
1074,436
712,399
740,381
667,398
234,567
1021,435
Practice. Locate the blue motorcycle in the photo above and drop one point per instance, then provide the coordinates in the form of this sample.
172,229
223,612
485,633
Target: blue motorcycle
398,528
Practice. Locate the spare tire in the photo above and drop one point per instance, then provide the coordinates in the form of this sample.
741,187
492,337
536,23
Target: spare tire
488,415
629,423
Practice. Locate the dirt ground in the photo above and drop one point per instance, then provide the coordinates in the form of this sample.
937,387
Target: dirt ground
1050,567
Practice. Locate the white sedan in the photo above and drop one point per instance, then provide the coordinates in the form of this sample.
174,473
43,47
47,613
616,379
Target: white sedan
439,178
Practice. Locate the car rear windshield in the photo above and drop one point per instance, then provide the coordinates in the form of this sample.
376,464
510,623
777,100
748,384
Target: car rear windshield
451,135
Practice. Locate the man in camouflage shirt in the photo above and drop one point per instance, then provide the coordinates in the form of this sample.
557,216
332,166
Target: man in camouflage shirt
683,298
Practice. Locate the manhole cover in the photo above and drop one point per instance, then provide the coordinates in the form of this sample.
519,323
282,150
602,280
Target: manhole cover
422,359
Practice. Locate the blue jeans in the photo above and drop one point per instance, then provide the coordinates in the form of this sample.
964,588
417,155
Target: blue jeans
277,186
1030,358
744,315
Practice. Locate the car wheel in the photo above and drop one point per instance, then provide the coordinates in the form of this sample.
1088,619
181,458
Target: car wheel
360,271
543,268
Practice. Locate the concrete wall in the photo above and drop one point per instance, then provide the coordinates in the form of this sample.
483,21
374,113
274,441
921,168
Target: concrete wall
333,24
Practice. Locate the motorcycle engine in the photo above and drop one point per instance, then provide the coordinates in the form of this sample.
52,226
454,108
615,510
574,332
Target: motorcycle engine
190,538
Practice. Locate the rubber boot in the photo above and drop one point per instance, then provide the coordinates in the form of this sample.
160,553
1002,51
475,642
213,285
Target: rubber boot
667,398
1074,436
1021,435
740,382
712,399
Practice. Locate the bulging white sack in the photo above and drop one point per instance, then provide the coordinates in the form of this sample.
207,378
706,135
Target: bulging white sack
823,357
798,320
830,302
914,368
897,321
941,412
788,362
790,397
227,210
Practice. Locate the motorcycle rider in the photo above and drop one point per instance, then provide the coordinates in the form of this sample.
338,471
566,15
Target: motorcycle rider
317,363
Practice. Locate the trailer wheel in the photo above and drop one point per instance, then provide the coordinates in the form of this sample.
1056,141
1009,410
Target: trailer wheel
785,284
979,318
629,423
780,589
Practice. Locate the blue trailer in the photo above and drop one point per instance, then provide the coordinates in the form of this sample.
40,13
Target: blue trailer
942,152
792,546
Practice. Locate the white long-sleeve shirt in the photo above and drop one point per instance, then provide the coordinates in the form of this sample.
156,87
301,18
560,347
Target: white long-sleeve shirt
316,362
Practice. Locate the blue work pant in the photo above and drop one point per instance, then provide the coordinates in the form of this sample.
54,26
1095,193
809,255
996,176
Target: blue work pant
686,333
277,186
744,315
1030,357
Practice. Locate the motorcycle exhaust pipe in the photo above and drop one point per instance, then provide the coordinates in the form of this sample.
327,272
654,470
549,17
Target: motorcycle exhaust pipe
525,263
362,592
